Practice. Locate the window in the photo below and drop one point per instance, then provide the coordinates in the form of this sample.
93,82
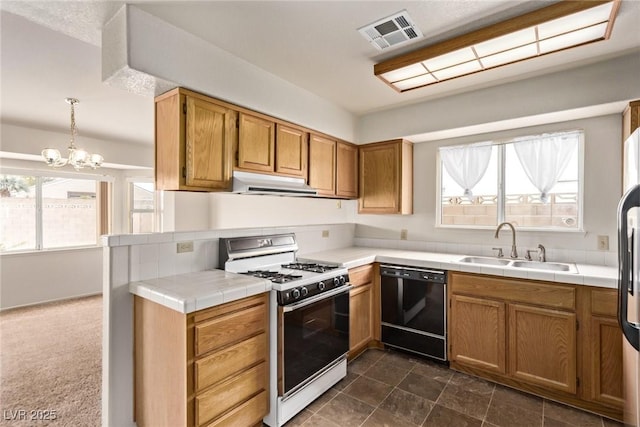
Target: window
533,182
45,212
142,207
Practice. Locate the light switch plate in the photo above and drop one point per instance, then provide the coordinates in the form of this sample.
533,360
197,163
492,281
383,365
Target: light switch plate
325,233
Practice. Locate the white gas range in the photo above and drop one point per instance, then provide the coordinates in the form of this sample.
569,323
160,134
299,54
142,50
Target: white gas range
309,319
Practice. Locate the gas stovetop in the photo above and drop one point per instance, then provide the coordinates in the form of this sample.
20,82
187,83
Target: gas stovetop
274,257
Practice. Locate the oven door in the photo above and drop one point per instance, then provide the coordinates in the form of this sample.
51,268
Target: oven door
312,334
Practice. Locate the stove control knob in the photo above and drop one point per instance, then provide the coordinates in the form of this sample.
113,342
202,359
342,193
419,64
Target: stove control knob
343,280
336,281
295,293
321,286
304,291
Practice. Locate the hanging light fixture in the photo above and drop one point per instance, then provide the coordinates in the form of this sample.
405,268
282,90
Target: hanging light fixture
77,157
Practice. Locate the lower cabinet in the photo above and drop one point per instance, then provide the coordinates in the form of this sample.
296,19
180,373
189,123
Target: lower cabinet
208,368
555,340
361,312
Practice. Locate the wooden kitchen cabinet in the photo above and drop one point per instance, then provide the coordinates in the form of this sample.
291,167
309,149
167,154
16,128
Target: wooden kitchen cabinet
346,170
265,146
361,311
333,167
208,368
322,164
256,144
194,142
292,151
482,345
386,178
630,119
542,347
555,340
602,346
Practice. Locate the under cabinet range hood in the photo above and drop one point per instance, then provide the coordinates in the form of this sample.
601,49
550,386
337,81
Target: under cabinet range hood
255,183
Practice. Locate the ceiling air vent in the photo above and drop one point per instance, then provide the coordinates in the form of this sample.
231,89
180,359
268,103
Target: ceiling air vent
393,30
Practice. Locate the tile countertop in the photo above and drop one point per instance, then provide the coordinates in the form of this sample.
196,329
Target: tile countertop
190,292
591,275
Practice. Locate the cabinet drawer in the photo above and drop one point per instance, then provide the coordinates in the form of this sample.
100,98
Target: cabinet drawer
528,291
604,302
229,329
247,414
228,394
361,275
222,364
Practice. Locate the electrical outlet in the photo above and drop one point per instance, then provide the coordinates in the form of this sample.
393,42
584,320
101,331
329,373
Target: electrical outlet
603,243
339,204
403,234
325,233
184,247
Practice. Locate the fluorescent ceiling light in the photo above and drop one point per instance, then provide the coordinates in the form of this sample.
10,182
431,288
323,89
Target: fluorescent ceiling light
560,26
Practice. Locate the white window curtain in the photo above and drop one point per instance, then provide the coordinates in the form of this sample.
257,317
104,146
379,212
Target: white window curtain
466,164
544,159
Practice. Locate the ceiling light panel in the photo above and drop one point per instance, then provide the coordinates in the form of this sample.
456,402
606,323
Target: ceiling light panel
562,25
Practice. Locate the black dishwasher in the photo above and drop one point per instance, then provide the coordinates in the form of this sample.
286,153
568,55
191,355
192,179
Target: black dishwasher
414,316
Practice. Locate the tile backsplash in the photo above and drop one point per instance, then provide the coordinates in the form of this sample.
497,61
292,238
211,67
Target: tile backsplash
155,255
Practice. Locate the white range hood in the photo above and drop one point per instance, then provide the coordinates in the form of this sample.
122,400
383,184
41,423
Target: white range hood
255,183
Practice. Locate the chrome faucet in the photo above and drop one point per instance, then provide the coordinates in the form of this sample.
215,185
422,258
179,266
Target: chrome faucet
514,251
542,254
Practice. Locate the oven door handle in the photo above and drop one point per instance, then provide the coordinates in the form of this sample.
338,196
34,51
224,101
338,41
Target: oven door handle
309,301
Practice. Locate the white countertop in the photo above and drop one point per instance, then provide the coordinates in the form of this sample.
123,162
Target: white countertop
190,292
350,257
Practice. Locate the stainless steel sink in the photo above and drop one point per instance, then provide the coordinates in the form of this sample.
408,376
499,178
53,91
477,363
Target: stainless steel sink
519,264
547,266
484,260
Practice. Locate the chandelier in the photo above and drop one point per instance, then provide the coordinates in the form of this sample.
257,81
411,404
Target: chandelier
77,157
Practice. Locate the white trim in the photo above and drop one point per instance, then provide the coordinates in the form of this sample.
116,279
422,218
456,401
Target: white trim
55,174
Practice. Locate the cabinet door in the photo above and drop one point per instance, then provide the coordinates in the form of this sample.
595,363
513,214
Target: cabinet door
346,170
477,333
291,151
542,347
209,144
606,363
322,165
360,317
256,145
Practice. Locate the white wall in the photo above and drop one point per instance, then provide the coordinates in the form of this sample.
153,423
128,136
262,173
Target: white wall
49,275
602,190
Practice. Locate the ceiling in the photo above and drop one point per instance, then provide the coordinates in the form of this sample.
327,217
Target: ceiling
51,50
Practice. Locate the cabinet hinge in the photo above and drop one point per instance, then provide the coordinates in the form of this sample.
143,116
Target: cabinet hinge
237,123
577,325
184,108
577,382
184,172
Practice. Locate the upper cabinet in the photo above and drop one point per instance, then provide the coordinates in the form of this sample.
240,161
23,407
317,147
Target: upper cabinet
630,119
386,178
333,167
292,151
256,144
194,142
269,147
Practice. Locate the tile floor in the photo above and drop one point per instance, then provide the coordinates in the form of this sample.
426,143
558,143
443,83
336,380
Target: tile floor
393,389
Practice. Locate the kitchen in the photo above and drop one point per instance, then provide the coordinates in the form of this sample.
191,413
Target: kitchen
227,211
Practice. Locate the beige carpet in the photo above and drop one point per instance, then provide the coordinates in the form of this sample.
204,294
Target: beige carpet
50,360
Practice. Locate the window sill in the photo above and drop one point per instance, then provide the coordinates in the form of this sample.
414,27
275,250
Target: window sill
518,229
50,251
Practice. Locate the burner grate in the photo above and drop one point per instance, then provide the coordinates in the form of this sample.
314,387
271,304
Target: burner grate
274,276
312,267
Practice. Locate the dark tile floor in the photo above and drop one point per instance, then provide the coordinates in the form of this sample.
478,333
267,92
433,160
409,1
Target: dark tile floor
393,389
